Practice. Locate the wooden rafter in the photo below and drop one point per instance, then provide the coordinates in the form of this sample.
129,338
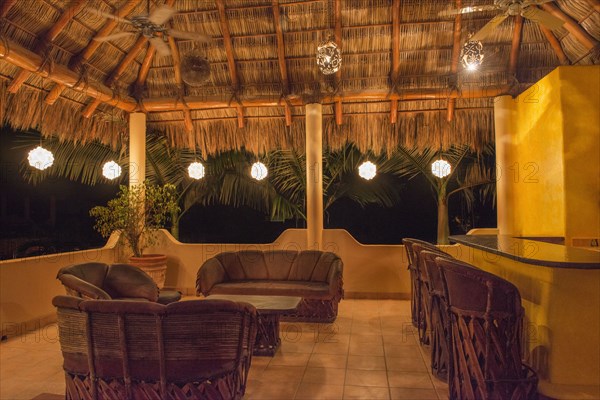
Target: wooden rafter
21,57
456,46
44,41
91,48
337,15
5,7
230,57
395,56
117,72
516,44
572,26
560,53
203,102
187,116
281,60
145,67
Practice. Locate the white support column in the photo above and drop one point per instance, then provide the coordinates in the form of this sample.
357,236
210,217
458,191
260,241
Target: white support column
505,149
137,148
314,176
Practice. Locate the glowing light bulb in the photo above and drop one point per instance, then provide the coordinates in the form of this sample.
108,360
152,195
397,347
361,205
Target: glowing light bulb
367,170
259,171
40,158
111,170
196,170
441,168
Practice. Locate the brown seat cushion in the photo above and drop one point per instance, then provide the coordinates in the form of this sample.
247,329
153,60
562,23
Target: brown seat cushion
310,289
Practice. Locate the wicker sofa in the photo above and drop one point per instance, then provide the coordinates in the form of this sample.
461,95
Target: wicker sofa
315,276
194,350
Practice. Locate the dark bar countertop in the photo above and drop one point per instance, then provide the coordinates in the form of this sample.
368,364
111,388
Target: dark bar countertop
532,251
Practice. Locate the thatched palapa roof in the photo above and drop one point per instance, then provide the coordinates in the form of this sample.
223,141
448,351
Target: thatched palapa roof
400,81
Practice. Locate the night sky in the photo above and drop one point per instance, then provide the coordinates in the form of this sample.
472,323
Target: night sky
414,216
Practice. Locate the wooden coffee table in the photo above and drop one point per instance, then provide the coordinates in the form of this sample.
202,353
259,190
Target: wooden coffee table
269,310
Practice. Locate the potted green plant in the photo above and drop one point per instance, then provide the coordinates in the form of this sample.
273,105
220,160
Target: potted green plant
138,212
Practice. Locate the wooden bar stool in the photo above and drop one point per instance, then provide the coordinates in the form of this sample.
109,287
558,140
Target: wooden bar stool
486,319
438,308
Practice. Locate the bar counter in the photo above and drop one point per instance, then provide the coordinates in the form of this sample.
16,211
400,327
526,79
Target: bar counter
560,291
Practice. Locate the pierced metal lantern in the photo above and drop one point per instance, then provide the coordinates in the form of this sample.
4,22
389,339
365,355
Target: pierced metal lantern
111,170
329,57
367,170
195,69
441,168
40,158
196,170
259,171
472,55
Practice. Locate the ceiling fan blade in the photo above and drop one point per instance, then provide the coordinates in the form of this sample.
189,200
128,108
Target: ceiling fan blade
466,10
198,37
114,36
101,13
489,27
161,47
161,15
542,17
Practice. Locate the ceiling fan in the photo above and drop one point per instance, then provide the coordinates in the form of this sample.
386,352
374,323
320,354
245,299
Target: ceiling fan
152,26
525,8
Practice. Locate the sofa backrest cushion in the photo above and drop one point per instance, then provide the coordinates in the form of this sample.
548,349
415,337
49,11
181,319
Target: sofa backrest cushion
277,265
124,280
92,272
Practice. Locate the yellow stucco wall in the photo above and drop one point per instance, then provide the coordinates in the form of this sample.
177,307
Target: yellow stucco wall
548,150
580,102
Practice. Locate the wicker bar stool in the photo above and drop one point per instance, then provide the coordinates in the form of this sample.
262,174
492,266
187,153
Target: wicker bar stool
115,349
486,319
438,308
419,294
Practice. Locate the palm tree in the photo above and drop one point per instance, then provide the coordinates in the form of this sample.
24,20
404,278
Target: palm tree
227,181
468,175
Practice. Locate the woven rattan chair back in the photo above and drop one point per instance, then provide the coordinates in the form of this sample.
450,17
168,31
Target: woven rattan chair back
438,307
197,349
486,319
415,285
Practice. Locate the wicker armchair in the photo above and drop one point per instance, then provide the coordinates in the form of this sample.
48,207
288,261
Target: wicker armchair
117,281
437,307
418,292
115,350
486,320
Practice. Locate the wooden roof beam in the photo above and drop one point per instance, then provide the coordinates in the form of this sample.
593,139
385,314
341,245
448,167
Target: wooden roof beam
337,14
516,44
456,47
572,26
117,72
145,67
202,102
560,53
230,58
395,56
281,59
187,116
21,57
44,41
92,46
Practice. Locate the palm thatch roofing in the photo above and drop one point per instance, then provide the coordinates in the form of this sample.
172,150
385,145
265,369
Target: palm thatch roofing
400,81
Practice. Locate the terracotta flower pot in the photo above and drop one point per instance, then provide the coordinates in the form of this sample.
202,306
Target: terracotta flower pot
154,265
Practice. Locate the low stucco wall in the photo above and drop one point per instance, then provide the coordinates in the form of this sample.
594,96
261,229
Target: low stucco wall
27,286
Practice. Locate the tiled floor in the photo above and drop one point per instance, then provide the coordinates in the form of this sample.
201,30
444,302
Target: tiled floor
370,352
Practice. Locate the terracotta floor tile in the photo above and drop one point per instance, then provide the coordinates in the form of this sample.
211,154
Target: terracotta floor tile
315,391
271,390
329,376
413,394
402,351
414,364
283,358
366,393
365,349
327,361
356,377
415,380
368,363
